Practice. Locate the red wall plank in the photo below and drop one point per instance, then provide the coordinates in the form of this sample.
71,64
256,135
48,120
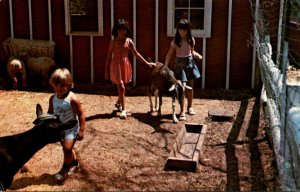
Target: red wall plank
40,24
101,45
81,61
123,9
21,19
294,43
217,46
62,49
5,26
145,40
241,49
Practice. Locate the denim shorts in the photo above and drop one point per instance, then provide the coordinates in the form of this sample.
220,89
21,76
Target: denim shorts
186,69
72,133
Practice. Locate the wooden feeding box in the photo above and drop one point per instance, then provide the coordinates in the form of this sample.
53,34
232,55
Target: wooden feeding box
35,48
187,147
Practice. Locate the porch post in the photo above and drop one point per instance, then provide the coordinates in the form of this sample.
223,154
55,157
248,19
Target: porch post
228,44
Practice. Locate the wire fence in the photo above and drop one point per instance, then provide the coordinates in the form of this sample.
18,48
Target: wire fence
281,92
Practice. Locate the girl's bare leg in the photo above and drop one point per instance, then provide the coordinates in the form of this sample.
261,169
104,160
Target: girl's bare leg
190,93
182,108
121,94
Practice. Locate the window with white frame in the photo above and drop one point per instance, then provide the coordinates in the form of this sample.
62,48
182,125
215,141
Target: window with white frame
198,12
84,17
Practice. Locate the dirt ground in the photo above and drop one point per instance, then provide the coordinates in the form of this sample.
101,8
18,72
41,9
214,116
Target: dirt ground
130,155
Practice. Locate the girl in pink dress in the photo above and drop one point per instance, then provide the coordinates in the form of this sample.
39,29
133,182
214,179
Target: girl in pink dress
118,66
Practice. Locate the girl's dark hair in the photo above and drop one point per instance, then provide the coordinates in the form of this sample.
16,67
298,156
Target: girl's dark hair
184,24
120,24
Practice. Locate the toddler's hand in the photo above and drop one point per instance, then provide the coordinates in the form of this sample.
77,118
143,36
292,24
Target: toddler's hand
80,136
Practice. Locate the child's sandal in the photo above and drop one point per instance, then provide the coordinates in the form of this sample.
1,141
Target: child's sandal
74,167
123,115
182,117
191,111
61,175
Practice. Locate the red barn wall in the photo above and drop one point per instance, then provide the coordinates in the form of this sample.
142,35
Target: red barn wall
62,42
40,20
145,36
21,19
216,50
81,61
216,45
241,49
5,27
294,43
270,11
164,41
101,45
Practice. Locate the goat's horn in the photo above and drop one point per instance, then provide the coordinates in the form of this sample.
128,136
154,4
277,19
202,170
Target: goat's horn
172,87
188,87
179,83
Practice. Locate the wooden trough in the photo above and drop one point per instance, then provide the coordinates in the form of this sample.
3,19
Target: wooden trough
187,148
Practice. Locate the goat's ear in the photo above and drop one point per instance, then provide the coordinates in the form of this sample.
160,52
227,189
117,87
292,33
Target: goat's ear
39,110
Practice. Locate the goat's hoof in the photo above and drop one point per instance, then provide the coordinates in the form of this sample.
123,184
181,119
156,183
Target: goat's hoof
150,112
175,121
153,113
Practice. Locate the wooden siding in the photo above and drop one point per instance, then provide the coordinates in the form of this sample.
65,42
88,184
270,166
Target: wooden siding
21,19
4,29
294,42
216,46
241,49
62,42
101,45
40,20
145,36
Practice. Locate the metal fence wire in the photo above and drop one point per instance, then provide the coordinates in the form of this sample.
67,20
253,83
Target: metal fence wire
281,92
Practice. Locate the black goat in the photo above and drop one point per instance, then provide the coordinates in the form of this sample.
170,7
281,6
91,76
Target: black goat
163,82
16,150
